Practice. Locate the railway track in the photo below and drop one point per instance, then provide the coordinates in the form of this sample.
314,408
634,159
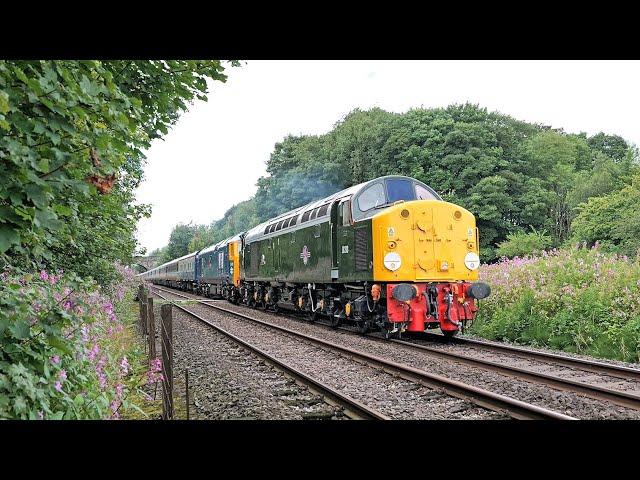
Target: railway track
625,373
500,403
351,407
598,392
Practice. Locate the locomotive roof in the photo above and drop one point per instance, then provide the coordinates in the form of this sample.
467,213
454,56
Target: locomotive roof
220,244
258,231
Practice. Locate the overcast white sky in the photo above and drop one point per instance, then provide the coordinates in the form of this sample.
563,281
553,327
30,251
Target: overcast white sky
214,155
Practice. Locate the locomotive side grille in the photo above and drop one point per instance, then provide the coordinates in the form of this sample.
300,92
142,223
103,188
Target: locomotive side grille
361,252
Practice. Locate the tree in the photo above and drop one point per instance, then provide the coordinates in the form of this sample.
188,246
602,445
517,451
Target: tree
512,175
179,241
613,220
72,136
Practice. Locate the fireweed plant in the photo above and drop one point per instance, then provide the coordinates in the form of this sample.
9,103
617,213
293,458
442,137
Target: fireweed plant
578,300
68,348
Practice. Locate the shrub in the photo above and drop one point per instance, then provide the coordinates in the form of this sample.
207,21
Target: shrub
575,299
612,220
64,352
521,244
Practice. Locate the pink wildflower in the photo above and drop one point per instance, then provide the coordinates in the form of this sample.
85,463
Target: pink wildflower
63,374
43,275
93,353
55,359
58,386
124,365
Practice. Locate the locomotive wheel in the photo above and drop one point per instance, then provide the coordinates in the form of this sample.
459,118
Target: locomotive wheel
335,321
449,333
363,327
264,306
312,316
252,303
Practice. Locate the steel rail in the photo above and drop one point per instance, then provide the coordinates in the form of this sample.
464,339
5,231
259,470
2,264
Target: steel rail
619,397
623,372
484,398
351,407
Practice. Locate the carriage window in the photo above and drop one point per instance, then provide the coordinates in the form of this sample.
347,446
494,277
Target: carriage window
371,197
314,213
400,189
266,229
424,194
305,216
293,221
323,210
279,225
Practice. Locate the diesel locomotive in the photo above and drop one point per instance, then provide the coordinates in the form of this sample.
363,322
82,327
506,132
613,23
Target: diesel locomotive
388,254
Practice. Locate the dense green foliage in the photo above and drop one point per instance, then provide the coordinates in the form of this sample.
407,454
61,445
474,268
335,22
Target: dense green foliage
67,348
72,135
71,141
577,300
612,220
512,175
521,244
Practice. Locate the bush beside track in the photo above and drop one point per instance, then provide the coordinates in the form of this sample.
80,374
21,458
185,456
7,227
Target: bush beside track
577,300
69,350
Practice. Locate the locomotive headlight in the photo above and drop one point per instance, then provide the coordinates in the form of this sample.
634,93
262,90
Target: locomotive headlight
392,261
472,261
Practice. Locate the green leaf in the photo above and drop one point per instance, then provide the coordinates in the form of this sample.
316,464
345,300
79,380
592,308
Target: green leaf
19,329
4,101
58,343
8,237
37,195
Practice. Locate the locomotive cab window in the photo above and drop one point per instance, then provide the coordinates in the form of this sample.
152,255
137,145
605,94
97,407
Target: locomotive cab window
400,189
372,197
424,194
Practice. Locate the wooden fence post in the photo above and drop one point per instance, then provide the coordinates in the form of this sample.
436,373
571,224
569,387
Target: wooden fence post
167,361
151,329
143,314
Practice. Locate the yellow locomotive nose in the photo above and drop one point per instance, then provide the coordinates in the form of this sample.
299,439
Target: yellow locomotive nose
425,241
